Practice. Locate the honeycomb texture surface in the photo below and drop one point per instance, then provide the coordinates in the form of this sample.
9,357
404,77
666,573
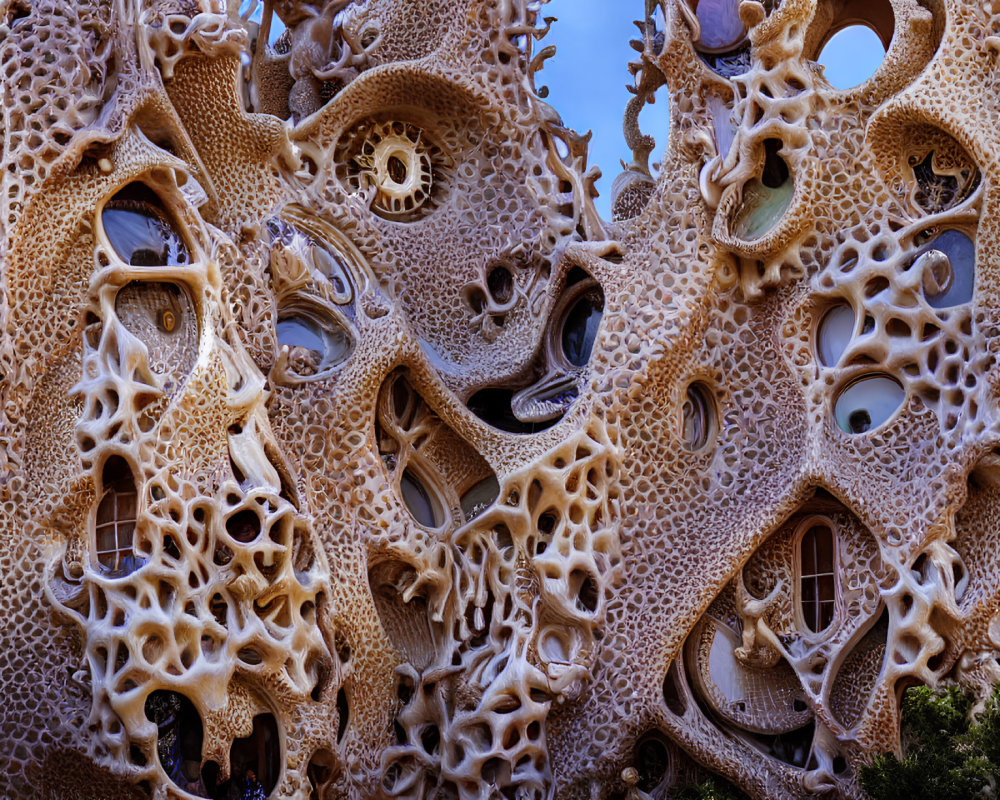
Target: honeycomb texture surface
347,452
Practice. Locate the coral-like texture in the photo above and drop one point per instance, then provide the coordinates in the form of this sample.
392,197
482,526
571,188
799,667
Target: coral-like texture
346,452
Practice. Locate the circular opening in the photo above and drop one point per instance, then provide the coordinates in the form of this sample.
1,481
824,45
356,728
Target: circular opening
851,56
868,403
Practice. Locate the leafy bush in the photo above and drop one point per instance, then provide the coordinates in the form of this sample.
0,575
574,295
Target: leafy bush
711,789
948,755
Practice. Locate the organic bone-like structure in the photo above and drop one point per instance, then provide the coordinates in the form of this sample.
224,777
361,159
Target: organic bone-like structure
348,453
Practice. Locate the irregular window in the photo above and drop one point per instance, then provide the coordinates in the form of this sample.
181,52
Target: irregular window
315,272
697,416
944,179
419,501
316,341
568,344
493,406
579,327
440,478
312,252
179,738
480,497
653,761
817,577
765,199
254,764
141,231
867,403
116,517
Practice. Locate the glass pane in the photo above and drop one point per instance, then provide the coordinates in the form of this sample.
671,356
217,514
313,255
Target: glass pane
480,497
418,500
580,329
323,344
126,530
834,334
300,332
140,230
126,506
867,403
948,267
721,28
817,581
106,510
106,539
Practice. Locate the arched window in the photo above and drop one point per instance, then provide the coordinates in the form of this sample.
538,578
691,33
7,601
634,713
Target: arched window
116,515
817,557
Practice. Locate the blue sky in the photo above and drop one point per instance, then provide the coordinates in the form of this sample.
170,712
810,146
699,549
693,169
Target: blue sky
587,76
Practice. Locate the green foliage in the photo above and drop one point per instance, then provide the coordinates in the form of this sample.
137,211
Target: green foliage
710,789
948,755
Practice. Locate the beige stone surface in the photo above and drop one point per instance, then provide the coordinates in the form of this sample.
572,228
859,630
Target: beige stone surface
346,452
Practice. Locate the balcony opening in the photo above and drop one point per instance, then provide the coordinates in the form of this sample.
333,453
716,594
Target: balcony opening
254,764
178,738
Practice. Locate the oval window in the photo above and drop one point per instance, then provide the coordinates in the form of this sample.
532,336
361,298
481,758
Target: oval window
868,402
579,330
140,230
419,502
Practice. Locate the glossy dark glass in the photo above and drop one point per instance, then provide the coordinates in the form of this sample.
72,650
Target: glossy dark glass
140,229
580,328
319,345
418,500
